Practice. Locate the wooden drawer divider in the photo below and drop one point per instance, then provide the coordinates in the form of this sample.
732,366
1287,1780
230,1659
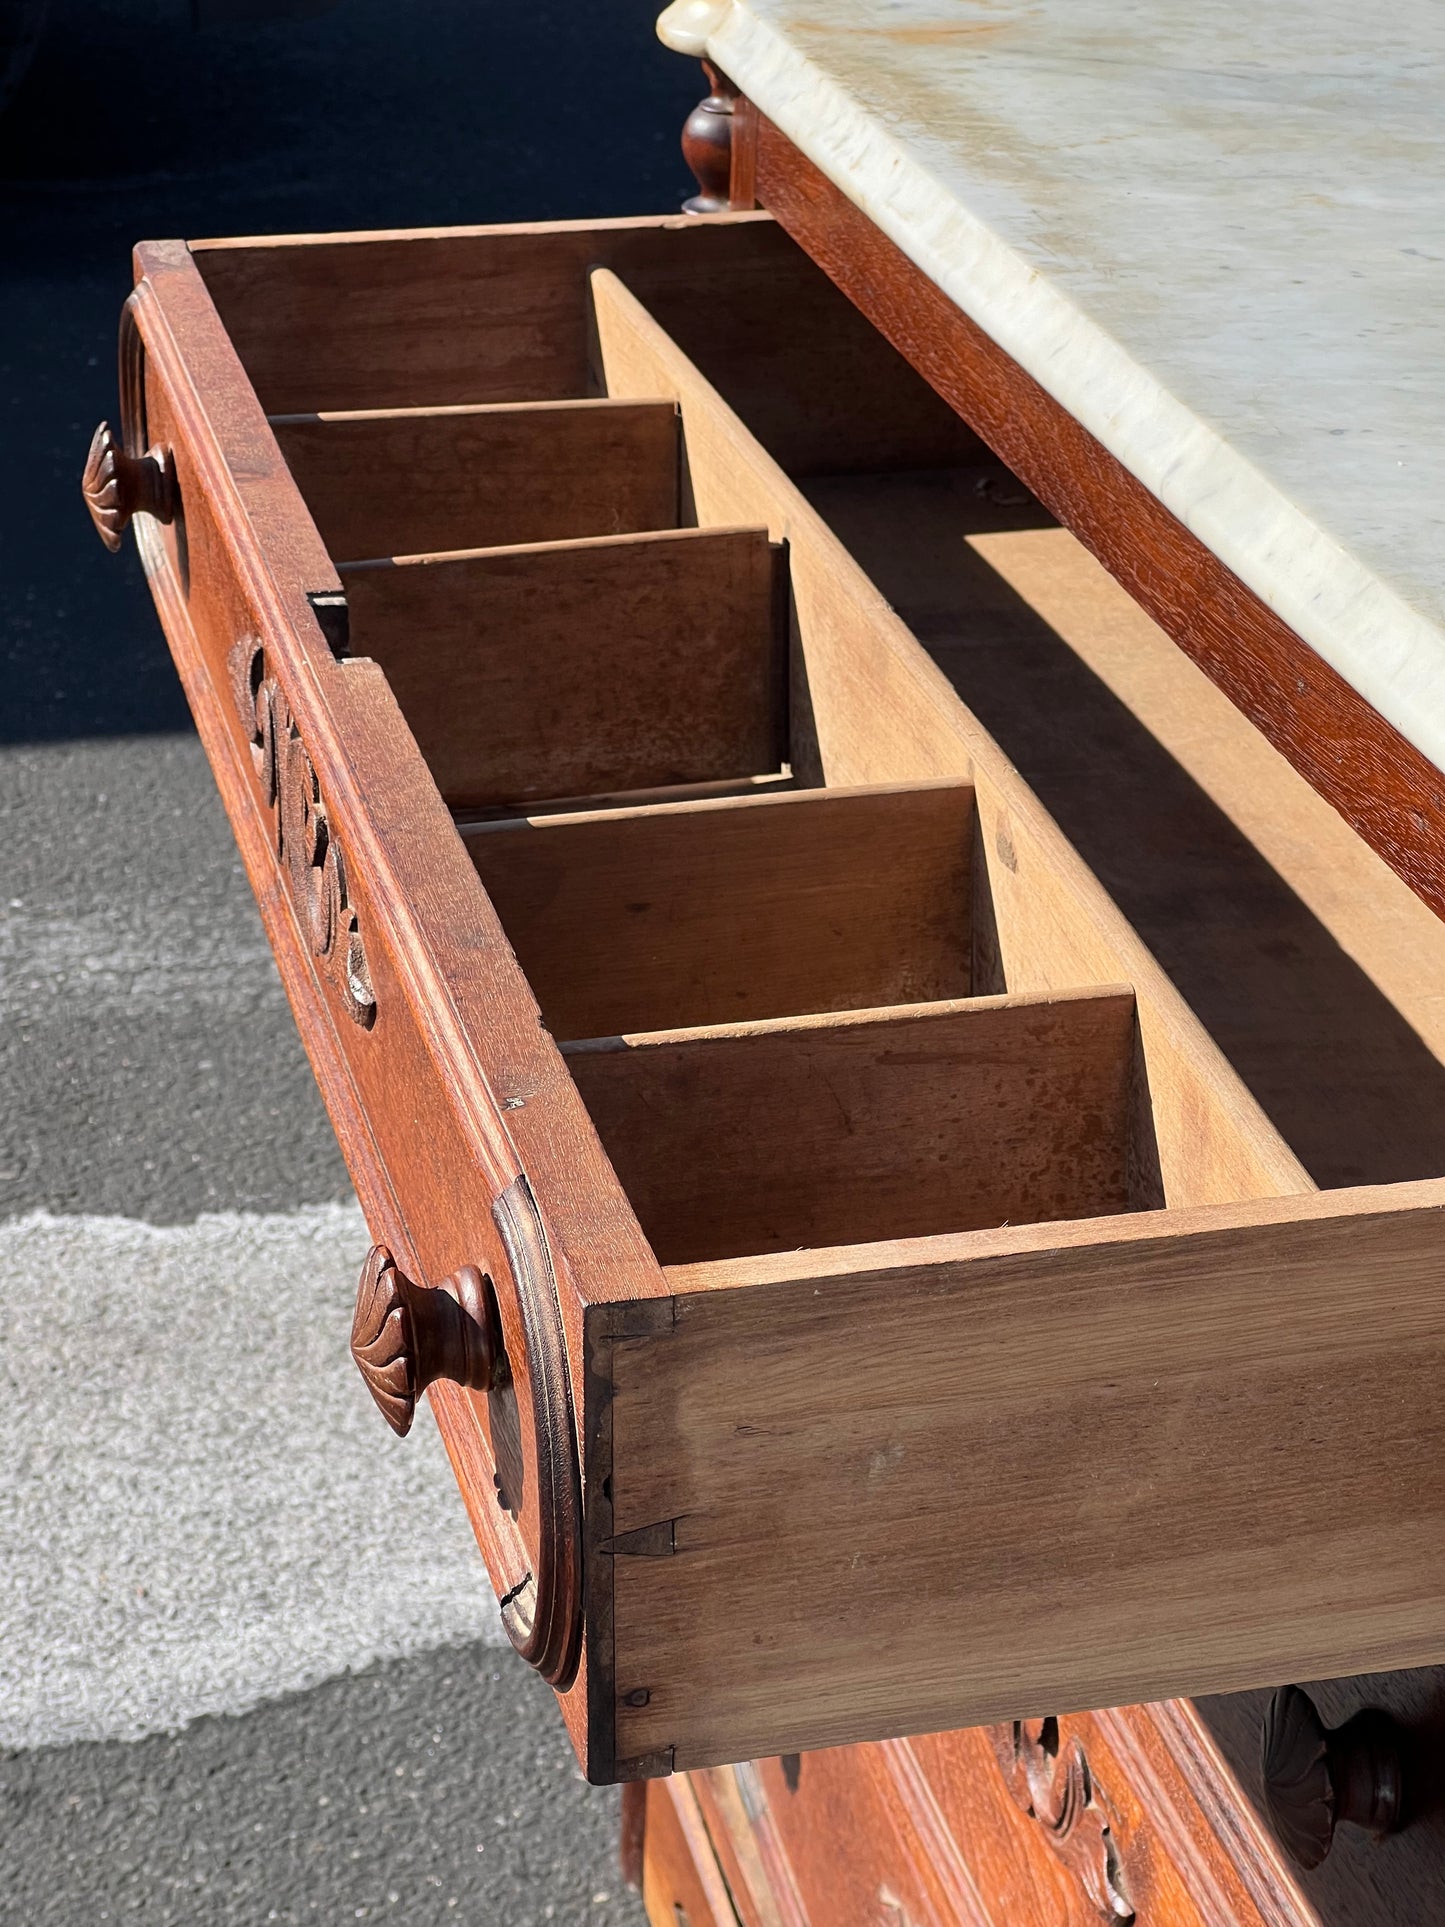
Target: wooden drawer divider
415,481
564,668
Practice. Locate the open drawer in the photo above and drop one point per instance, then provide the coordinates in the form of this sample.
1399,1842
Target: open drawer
857,1295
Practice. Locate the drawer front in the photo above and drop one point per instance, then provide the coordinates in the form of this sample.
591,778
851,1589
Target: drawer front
781,1151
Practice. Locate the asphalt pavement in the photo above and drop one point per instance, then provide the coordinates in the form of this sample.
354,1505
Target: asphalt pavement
229,1690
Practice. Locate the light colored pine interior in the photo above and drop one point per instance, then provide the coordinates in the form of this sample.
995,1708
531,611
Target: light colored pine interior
736,908
869,706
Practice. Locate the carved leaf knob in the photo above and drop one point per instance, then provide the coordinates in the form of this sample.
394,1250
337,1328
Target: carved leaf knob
1315,1777
406,1336
118,485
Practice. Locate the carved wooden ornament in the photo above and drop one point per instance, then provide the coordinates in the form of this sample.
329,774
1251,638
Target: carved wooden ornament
1049,1776
405,1337
315,867
707,144
502,1336
124,478
117,486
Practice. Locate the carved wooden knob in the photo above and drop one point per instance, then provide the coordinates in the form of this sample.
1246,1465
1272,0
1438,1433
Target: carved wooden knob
405,1336
118,485
1315,1777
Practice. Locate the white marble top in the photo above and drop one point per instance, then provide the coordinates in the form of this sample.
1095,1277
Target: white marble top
1214,230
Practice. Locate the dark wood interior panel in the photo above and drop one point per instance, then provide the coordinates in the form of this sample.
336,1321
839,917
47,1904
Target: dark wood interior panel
410,481
566,669
707,913
502,314
418,317
845,1129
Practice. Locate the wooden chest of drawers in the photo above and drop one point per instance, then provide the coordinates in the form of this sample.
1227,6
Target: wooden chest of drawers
858,1295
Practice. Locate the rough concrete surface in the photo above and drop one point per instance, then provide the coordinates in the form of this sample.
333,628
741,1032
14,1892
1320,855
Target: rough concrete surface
428,1791
201,1509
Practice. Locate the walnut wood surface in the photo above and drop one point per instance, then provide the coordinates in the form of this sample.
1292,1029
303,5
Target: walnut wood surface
926,1830
410,481
682,1885
1318,1778
118,485
411,1102
466,1091
404,1338
1383,787
867,1125
1049,1776
562,668
711,912
1363,1882
707,144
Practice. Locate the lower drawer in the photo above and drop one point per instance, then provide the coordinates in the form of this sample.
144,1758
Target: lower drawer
1044,1823
858,1296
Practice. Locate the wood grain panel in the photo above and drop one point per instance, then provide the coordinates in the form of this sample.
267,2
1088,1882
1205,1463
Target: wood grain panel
500,314
866,1125
927,1831
562,669
681,1883
409,481
710,912
1090,1463
417,1114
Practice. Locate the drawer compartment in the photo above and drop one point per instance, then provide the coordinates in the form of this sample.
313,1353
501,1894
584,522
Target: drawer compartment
867,1126
562,669
857,1295
755,906
416,481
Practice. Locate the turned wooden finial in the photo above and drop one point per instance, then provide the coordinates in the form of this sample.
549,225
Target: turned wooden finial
707,144
117,485
405,1336
1315,1777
